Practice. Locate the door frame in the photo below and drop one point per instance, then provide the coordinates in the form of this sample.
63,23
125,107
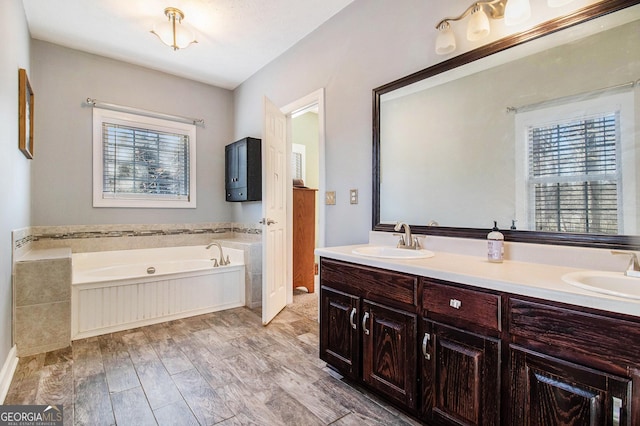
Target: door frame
316,97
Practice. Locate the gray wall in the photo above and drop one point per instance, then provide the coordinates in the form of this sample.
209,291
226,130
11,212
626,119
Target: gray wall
369,43
14,167
62,189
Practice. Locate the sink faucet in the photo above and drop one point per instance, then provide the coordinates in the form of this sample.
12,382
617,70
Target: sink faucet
633,269
407,240
223,262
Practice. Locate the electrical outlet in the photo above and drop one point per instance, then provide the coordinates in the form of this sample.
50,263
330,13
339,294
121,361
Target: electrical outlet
330,198
353,196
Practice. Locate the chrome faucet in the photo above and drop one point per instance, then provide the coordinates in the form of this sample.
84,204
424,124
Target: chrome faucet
223,261
407,240
633,269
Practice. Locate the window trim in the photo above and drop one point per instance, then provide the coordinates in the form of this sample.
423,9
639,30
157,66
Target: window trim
100,116
623,103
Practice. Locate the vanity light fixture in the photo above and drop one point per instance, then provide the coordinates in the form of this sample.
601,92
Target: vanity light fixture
171,32
514,12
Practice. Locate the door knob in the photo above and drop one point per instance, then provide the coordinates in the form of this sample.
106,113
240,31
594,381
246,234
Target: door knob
267,221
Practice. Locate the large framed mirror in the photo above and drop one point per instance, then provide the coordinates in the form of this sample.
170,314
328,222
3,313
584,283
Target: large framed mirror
539,131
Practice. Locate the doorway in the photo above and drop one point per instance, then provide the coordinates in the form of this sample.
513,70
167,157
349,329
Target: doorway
305,125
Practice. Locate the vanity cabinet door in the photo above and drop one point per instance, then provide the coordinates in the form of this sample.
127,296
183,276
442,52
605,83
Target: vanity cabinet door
460,376
550,391
339,331
389,352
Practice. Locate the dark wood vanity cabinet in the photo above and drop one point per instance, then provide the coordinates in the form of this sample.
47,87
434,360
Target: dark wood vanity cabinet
368,328
452,354
546,390
339,334
572,367
460,355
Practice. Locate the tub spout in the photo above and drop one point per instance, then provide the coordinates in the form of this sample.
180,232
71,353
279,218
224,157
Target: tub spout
222,261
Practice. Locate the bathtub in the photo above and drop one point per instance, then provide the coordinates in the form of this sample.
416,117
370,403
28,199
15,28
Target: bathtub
118,290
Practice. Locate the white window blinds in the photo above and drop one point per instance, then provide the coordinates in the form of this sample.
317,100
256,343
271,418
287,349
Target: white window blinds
143,163
574,175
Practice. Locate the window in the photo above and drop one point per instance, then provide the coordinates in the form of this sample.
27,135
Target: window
141,161
573,169
298,161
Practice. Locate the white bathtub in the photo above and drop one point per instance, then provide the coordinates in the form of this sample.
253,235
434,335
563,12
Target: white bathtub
119,290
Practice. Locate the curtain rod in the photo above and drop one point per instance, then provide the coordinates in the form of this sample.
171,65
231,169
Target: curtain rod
99,104
579,96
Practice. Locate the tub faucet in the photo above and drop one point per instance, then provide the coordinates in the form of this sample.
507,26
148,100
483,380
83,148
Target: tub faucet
407,241
222,262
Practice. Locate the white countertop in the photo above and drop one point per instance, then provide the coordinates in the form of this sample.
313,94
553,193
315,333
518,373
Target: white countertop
528,279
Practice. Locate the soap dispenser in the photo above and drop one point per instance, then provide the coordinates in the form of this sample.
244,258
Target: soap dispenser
495,244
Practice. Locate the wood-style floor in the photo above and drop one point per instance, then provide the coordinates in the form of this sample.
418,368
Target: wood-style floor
223,368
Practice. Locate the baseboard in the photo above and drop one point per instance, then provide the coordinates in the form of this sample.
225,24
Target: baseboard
6,374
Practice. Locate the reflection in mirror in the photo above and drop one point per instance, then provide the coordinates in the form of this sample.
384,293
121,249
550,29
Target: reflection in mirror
544,139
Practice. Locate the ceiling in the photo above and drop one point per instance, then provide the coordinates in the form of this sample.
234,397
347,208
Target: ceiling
235,38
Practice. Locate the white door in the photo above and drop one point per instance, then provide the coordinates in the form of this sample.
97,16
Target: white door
274,211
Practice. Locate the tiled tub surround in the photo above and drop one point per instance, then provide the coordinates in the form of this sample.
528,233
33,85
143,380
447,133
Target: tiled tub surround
42,301
90,238
123,289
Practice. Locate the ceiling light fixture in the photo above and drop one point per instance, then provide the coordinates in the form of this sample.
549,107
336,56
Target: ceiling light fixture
172,32
514,12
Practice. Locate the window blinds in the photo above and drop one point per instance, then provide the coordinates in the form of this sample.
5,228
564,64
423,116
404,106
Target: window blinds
140,163
574,174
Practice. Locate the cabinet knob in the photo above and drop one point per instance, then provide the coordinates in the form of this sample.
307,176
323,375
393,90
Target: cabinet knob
365,317
352,319
455,303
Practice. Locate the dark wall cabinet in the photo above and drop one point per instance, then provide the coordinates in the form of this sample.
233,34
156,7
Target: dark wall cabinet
243,170
451,354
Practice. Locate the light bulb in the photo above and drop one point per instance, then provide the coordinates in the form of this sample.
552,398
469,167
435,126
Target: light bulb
478,26
517,12
446,41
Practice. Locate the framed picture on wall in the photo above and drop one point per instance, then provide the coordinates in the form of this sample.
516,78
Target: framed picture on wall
25,114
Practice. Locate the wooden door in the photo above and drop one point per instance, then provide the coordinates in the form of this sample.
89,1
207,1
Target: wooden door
339,331
547,391
389,352
460,376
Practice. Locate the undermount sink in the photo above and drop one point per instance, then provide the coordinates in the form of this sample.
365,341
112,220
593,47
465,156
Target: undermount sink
612,283
392,252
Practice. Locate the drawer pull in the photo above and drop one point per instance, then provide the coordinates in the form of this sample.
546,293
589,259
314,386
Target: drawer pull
425,342
352,318
365,317
455,303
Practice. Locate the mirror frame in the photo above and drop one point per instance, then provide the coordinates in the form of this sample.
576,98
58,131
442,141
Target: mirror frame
625,242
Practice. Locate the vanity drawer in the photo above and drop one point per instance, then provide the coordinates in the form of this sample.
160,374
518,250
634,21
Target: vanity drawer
461,305
378,285
591,334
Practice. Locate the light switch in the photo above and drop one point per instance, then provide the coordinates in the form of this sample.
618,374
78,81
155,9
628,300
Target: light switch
353,196
330,197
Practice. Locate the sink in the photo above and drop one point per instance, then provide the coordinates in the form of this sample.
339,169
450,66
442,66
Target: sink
392,252
612,283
